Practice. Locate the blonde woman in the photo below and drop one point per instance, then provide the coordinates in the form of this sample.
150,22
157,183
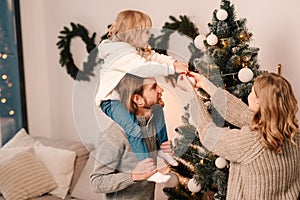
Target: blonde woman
264,153
126,52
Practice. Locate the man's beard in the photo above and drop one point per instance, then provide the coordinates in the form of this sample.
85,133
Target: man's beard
147,105
161,102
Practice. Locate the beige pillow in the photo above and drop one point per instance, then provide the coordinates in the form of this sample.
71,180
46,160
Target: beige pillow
21,139
60,164
7,153
23,176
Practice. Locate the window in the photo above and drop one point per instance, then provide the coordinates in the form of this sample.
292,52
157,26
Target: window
13,114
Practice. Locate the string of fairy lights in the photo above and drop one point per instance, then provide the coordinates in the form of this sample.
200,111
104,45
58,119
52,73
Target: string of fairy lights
3,55
5,78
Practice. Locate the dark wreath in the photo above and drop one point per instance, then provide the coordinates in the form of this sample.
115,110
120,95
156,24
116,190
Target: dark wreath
66,58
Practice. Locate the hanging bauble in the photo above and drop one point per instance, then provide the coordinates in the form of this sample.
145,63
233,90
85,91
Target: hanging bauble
222,14
193,186
221,163
198,41
212,39
245,75
173,181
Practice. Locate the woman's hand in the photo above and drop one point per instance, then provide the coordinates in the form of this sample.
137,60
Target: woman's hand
199,80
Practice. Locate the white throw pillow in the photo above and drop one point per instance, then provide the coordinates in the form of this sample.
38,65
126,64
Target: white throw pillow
60,164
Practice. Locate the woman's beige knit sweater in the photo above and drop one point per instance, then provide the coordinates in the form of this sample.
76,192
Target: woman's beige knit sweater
255,173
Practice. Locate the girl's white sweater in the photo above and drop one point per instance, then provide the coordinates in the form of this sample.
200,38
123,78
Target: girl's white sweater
121,58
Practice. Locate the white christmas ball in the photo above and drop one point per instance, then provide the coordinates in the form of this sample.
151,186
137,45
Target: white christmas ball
220,162
212,39
192,185
173,181
245,75
222,14
198,41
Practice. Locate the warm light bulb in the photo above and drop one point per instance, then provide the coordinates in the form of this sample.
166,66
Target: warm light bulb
11,112
3,100
9,84
201,161
4,56
242,35
4,76
224,43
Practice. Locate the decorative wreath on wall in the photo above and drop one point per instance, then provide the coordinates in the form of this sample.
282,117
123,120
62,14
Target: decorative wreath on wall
160,44
66,57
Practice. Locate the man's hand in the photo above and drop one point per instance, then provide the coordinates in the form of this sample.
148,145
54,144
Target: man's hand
181,67
143,170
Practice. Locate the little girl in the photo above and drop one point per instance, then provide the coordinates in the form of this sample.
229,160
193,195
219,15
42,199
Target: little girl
126,51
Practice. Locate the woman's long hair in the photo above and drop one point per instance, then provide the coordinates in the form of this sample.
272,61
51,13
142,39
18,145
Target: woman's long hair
276,118
127,87
129,26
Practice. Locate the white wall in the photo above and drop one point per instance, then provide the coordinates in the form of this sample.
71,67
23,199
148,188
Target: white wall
49,88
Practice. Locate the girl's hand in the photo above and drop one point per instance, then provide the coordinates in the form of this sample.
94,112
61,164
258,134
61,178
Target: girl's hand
181,67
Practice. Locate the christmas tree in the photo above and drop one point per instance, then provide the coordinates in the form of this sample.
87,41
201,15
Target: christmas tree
229,52
232,64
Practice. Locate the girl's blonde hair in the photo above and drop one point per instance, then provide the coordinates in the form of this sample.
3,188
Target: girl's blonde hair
276,118
129,26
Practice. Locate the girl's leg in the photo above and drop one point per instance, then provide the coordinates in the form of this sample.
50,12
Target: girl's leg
115,110
160,124
161,130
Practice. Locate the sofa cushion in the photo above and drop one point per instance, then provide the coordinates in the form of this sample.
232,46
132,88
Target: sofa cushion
82,189
60,164
82,154
23,176
50,197
22,139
